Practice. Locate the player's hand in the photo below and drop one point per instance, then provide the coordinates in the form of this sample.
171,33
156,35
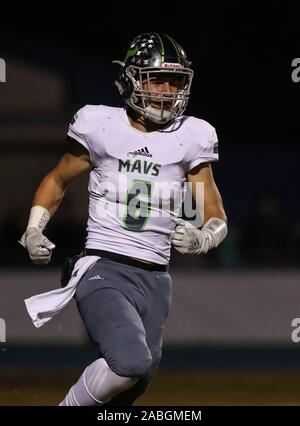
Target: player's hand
187,239
38,246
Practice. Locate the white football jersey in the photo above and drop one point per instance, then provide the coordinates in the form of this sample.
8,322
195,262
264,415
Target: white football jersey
138,179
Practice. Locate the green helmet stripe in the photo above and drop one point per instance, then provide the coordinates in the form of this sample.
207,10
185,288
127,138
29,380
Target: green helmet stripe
130,52
162,48
177,53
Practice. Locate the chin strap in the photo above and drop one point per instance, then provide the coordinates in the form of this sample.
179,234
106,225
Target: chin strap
151,113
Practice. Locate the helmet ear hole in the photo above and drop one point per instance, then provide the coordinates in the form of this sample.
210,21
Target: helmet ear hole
131,72
124,84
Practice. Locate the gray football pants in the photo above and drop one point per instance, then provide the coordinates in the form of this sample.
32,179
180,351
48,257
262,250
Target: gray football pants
124,309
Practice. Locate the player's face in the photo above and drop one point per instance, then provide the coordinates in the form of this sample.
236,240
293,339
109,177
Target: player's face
161,84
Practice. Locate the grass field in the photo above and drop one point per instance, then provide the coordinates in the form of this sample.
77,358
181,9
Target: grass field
45,387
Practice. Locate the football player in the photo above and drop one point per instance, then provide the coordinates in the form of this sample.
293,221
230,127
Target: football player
124,293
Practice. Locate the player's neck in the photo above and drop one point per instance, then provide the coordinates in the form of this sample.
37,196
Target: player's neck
139,122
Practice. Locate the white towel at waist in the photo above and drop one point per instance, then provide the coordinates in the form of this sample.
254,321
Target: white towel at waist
43,307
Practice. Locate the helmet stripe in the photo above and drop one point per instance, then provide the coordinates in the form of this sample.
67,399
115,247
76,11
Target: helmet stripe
130,52
174,44
162,48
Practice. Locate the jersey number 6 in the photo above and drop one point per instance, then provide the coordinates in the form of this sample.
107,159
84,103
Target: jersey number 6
138,205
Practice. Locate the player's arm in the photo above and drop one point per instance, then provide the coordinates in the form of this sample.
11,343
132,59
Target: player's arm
52,188
213,205
188,239
47,199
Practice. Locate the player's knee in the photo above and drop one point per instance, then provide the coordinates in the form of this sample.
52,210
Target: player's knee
134,361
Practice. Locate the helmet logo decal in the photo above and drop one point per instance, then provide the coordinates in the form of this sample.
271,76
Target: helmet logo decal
169,65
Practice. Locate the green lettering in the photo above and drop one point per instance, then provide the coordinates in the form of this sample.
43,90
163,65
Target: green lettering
136,166
147,167
125,164
156,168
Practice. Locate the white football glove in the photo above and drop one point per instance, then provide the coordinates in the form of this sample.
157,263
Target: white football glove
38,246
187,239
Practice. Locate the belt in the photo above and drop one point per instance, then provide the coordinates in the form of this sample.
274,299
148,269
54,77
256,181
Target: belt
125,259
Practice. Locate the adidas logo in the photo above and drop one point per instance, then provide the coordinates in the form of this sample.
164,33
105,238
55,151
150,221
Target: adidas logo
143,151
96,277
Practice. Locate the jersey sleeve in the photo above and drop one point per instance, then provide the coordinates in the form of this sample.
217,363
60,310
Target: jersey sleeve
207,153
78,130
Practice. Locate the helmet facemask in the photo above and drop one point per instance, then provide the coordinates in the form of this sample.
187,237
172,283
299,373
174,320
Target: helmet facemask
157,106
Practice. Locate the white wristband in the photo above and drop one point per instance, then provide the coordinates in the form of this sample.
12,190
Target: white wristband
39,217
